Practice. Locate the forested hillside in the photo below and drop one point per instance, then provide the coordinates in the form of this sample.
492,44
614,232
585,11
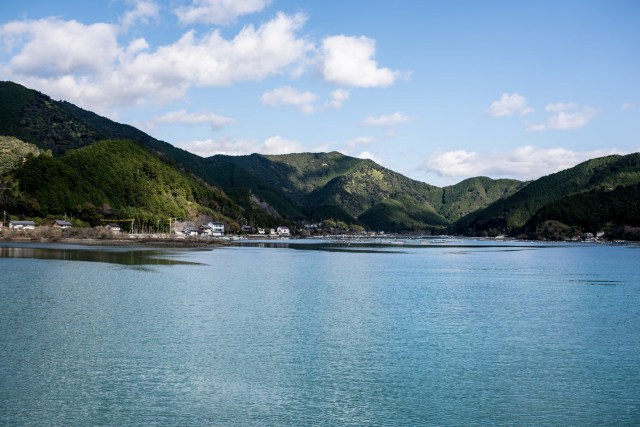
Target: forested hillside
54,159
561,196
116,179
332,185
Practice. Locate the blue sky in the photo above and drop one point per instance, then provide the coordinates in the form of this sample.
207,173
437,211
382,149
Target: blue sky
437,90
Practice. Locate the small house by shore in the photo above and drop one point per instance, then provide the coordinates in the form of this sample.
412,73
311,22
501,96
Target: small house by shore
283,231
22,225
60,223
114,228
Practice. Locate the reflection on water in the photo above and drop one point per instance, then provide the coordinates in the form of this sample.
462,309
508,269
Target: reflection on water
127,256
383,246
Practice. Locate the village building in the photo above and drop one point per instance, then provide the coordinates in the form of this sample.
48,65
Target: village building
283,231
190,232
60,223
22,225
217,229
114,228
247,229
205,230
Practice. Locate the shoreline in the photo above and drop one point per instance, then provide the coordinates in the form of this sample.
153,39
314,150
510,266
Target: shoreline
146,241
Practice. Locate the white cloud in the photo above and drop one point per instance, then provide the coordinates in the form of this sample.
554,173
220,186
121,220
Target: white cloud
565,116
278,145
227,146
288,96
349,61
144,12
508,105
370,156
388,120
85,64
215,121
219,12
561,106
523,163
52,47
239,147
628,106
338,98
356,142
253,54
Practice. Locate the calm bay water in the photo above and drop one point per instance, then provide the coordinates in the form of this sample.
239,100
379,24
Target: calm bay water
461,333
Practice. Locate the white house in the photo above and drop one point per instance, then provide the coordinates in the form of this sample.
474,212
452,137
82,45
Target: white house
261,231
22,225
205,230
190,232
217,229
114,228
283,231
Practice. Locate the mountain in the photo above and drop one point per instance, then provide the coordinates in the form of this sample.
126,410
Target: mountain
60,139
590,195
357,191
266,190
115,179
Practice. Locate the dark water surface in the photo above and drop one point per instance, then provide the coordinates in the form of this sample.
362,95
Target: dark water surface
463,333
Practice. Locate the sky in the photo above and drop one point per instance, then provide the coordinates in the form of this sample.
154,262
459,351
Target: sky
438,90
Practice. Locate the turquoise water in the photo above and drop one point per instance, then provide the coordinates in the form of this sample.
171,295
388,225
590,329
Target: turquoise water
464,333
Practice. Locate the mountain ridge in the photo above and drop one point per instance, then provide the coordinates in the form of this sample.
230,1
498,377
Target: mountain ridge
266,190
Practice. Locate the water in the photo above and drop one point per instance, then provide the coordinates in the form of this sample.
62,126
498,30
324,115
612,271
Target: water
461,333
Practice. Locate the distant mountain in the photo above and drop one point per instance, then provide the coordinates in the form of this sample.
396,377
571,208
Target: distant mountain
332,185
590,195
268,189
54,157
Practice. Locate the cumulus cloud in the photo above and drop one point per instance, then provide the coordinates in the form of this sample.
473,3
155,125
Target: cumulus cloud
239,147
219,12
387,122
628,106
349,61
565,116
215,121
253,54
288,96
278,145
52,47
508,105
338,98
144,12
85,64
524,163
226,146
356,142
370,156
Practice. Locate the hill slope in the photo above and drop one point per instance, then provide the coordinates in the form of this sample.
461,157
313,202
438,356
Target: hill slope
323,185
269,189
547,197
116,179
